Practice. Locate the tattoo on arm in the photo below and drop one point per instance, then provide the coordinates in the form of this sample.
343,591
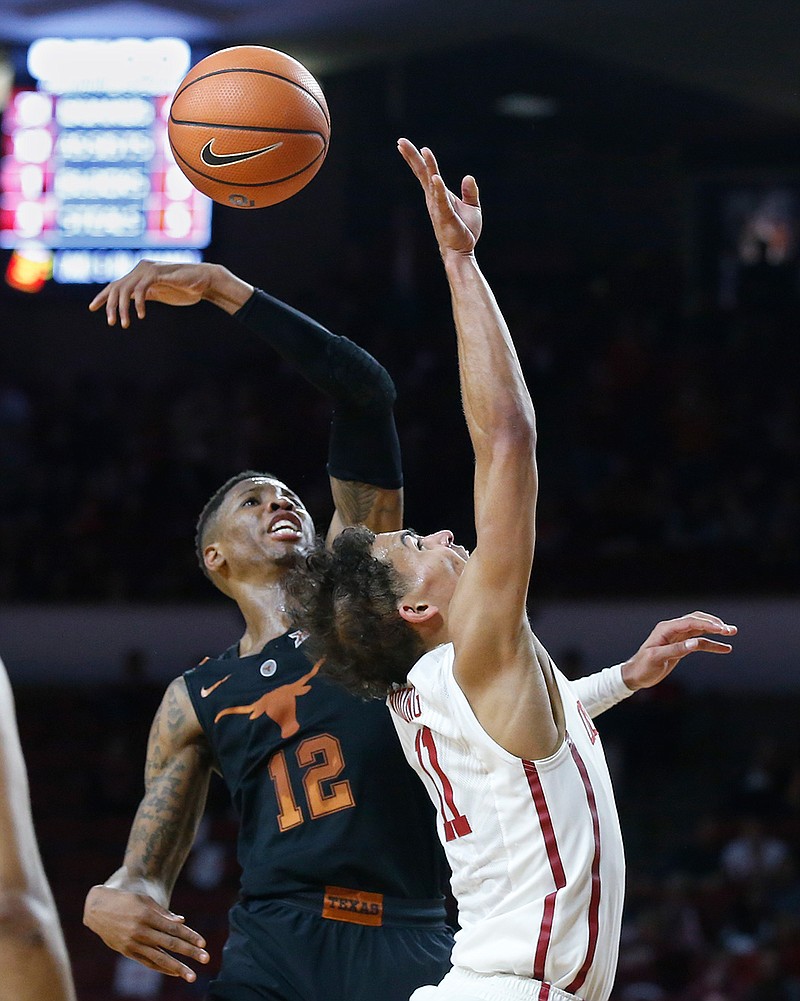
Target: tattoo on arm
365,504
354,501
176,784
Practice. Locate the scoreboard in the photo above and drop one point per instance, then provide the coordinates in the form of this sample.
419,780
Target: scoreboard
87,177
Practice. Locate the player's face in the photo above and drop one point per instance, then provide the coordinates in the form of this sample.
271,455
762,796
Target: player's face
431,564
261,517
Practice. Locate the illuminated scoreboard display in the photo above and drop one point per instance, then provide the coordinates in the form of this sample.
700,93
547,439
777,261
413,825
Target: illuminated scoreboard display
87,177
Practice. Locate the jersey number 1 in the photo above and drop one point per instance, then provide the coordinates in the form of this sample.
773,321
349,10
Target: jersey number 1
322,760
455,824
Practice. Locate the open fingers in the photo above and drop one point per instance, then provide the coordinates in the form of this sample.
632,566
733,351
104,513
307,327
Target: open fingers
709,646
414,159
112,302
118,303
183,947
160,945
706,617
422,162
441,196
696,644
99,300
139,298
124,307
162,962
692,625
430,160
115,304
117,295
469,191
181,937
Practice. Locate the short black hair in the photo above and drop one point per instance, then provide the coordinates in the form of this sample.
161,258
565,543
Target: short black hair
346,599
213,504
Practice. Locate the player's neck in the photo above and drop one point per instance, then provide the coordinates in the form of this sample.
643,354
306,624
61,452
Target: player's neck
262,608
436,634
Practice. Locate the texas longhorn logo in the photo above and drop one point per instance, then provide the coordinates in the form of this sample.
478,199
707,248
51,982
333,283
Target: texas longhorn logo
280,704
212,159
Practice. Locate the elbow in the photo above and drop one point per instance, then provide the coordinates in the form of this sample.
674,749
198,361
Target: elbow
515,434
504,417
385,391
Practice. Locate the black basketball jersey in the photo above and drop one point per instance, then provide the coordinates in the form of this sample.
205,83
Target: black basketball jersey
324,794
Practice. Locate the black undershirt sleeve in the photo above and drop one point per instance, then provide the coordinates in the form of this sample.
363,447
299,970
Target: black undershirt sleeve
364,446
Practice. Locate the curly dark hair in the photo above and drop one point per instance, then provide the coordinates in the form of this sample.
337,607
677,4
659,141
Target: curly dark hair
347,600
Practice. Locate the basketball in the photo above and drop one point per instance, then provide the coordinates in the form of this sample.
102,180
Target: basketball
249,126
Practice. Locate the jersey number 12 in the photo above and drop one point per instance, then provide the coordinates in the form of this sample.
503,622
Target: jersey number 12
321,760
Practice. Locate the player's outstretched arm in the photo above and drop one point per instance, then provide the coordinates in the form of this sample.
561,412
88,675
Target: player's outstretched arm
172,284
659,655
495,654
33,956
364,453
130,911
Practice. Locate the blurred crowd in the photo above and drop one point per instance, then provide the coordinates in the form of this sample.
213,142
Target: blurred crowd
713,901
669,446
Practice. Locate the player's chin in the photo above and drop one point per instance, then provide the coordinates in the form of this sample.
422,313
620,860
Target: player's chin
293,552
292,557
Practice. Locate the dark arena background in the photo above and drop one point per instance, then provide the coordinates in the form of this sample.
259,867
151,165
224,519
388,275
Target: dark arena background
639,168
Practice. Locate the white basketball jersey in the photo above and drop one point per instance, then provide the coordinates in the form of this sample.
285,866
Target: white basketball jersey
535,846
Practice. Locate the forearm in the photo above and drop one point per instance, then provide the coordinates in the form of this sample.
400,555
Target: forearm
177,774
164,830
158,845
364,446
333,364
495,398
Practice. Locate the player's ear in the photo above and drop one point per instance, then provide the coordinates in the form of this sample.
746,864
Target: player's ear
417,614
213,558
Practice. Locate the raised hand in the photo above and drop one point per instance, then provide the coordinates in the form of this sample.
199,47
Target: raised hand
457,222
670,642
172,284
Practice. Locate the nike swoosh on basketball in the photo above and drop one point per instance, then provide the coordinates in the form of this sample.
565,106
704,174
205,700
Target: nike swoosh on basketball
212,159
205,692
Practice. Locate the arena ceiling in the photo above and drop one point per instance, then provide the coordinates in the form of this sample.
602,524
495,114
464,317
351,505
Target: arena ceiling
744,51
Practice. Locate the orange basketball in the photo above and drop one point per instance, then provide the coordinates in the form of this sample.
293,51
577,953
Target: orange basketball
249,126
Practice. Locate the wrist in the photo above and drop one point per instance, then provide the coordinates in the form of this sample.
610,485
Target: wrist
129,881
460,269
226,290
628,675
457,260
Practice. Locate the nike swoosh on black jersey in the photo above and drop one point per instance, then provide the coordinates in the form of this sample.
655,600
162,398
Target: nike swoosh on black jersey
205,692
211,159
